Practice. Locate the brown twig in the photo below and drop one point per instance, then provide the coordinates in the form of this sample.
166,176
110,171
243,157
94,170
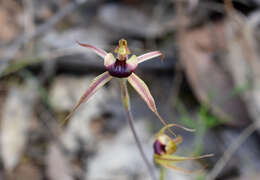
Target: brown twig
231,150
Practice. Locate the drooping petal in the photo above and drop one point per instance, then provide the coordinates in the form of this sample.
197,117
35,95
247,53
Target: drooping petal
185,171
96,50
96,83
169,165
139,85
168,160
173,158
149,55
143,90
109,59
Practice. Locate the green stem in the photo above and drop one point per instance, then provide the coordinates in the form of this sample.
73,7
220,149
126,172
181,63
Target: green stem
126,104
162,173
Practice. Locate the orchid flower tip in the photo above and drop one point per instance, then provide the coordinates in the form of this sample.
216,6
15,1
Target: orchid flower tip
162,57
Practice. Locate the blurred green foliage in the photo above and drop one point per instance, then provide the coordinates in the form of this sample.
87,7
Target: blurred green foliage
204,122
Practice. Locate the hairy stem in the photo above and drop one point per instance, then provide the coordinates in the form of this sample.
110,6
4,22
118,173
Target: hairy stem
126,104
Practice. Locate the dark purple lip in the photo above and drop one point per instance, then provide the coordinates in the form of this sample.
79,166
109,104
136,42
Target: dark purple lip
158,147
120,69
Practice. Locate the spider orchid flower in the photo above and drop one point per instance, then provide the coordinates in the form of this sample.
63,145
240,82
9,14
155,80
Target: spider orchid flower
120,67
165,147
123,68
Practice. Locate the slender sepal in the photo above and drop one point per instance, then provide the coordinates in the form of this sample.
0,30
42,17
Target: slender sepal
176,168
96,50
139,85
168,162
148,56
173,158
96,84
185,171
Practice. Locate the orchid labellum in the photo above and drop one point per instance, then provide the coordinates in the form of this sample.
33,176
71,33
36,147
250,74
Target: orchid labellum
165,147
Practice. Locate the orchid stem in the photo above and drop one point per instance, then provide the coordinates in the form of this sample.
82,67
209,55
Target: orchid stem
126,104
162,173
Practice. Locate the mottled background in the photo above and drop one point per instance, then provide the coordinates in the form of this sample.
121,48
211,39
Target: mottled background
209,81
